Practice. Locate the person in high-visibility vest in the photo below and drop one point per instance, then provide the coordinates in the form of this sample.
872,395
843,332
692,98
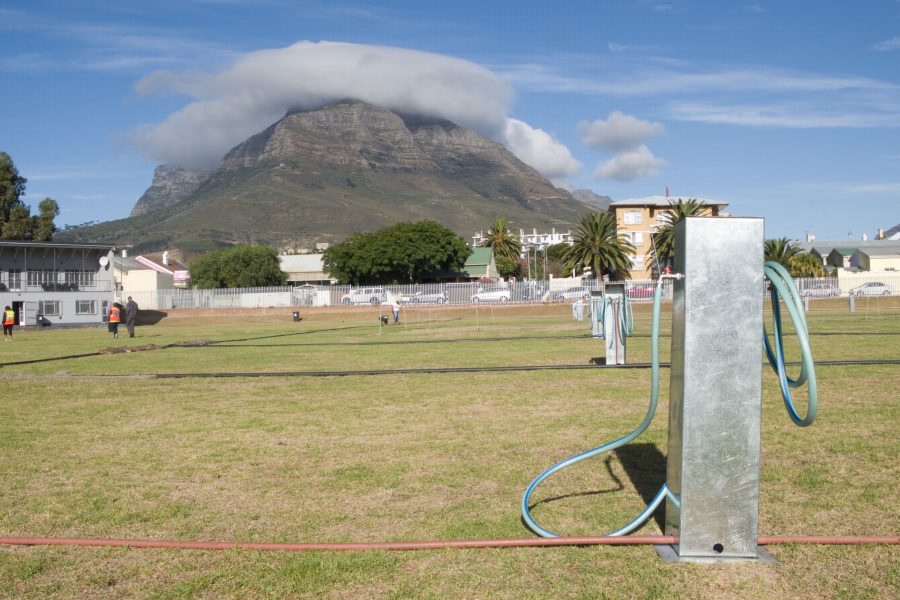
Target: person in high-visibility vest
115,317
9,319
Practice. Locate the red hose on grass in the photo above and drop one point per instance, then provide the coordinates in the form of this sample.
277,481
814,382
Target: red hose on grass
433,545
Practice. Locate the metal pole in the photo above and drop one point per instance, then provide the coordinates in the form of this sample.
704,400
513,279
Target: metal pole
715,388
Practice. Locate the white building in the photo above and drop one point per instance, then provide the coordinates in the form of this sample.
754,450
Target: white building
533,239
50,283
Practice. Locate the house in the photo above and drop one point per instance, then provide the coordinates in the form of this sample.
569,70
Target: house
305,269
164,262
875,260
481,265
51,283
840,253
840,257
137,278
638,218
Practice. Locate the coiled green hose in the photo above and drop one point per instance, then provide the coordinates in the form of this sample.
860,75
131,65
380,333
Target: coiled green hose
782,286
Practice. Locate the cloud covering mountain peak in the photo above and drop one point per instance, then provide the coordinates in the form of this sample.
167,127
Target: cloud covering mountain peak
259,88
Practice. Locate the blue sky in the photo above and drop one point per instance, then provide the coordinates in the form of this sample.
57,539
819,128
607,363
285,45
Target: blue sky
788,110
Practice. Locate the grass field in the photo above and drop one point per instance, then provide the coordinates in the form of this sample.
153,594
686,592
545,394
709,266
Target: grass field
96,446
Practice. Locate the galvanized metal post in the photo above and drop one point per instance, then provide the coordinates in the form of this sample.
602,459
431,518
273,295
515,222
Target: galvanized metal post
613,318
716,384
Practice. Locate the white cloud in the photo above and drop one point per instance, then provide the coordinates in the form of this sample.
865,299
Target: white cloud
890,44
260,87
619,132
630,164
793,115
891,188
537,148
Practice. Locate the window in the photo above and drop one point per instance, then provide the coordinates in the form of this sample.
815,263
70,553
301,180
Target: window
85,307
637,262
635,237
633,217
41,276
14,280
48,308
79,278
662,217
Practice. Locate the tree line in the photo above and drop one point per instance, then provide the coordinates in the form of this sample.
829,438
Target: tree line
427,251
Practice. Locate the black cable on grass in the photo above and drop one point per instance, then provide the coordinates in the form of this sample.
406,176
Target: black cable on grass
401,342
181,344
218,343
429,370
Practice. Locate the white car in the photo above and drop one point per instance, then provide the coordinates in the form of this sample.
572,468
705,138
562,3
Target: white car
495,295
821,290
364,296
872,288
574,293
425,298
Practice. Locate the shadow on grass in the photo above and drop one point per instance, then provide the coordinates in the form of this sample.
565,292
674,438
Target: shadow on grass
645,466
618,487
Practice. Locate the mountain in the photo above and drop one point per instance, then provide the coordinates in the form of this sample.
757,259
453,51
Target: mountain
318,176
170,184
592,198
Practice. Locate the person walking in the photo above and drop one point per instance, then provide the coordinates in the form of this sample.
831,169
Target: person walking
115,317
9,319
396,310
131,311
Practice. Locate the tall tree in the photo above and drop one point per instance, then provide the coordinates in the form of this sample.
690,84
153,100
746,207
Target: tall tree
663,250
44,227
16,222
502,240
18,226
401,253
12,187
238,267
597,245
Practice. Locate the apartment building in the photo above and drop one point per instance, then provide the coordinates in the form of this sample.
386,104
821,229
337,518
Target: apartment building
638,218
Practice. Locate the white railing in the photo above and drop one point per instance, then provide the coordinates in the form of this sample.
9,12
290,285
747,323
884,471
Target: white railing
555,290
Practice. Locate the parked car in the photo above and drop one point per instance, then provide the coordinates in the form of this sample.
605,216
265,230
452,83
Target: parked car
364,296
424,298
821,290
872,288
640,290
574,293
492,295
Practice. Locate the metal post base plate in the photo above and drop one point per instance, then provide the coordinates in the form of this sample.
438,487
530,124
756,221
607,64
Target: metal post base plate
670,555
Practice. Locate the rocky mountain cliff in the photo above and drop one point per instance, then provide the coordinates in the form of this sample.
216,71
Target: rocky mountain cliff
170,184
318,176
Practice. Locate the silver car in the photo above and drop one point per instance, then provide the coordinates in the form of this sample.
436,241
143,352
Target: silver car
872,288
494,295
574,293
425,298
821,290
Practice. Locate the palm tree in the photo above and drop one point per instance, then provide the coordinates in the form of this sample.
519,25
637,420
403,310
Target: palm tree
781,250
597,246
806,265
664,238
501,239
